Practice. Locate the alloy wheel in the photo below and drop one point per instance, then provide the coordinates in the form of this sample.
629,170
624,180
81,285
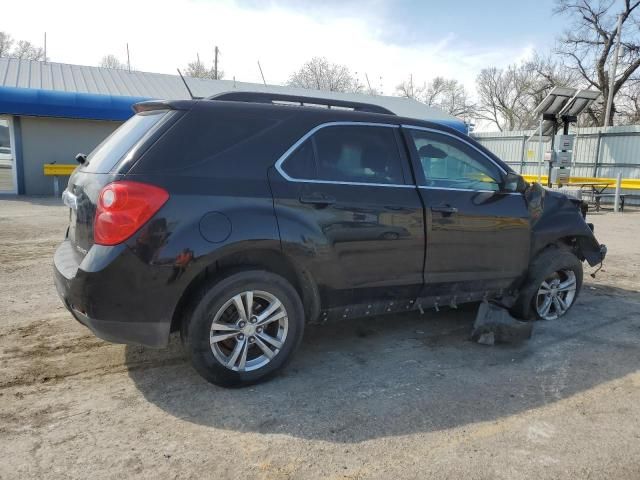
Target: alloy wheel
249,330
556,294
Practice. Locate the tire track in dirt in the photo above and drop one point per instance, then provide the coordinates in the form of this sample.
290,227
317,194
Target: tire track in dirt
32,355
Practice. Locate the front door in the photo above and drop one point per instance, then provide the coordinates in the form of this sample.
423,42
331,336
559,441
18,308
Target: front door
477,236
349,212
7,157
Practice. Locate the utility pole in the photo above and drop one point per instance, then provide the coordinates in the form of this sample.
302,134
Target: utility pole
612,76
262,74
369,84
128,59
215,63
45,47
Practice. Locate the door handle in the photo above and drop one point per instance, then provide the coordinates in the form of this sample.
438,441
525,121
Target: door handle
318,199
446,209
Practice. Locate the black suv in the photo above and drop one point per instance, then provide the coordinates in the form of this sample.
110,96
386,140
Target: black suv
238,218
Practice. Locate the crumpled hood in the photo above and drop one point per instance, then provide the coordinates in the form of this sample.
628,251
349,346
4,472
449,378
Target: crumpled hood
555,216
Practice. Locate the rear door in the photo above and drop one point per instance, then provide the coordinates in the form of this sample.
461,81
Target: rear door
477,236
349,212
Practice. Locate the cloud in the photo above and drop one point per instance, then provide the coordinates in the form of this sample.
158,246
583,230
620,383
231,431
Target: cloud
163,35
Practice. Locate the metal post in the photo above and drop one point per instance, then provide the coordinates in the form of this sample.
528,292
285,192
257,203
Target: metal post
56,187
522,152
553,141
612,76
540,153
262,74
616,203
128,59
215,63
597,159
565,131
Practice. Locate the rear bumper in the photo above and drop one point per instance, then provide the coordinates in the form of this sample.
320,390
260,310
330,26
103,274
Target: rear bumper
100,301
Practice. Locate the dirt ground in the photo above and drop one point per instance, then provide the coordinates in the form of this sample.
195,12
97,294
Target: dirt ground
395,397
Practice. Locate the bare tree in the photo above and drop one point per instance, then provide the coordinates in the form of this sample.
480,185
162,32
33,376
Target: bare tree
448,95
320,74
6,42
26,50
408,89
111,61
508,97
197,69
628,103
504,96
23,49
588,46
548,73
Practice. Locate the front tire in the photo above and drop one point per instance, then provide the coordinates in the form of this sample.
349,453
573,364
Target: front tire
552,286
244,328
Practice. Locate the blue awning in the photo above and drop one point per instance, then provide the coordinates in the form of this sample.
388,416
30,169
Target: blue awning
51,103
455,124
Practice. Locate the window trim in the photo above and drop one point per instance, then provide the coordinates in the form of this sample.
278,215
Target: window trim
306,136
426,129
407,127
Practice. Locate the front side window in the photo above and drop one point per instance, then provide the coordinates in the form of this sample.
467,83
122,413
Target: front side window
348,153
449,163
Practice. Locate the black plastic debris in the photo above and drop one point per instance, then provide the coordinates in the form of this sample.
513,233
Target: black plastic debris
494,324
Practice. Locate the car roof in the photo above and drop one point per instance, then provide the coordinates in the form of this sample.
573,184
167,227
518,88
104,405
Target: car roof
314,115
322,113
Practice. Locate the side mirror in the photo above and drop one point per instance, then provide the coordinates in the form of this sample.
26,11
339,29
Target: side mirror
513,183
81,158
429,151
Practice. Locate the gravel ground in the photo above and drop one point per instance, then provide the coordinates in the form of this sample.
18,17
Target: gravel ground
396,397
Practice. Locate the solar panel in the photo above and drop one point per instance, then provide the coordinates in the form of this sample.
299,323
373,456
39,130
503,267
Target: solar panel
562,102
579,102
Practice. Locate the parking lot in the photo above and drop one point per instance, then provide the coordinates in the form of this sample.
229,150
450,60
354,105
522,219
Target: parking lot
393,397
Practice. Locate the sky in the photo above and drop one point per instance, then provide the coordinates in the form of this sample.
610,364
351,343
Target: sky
387,40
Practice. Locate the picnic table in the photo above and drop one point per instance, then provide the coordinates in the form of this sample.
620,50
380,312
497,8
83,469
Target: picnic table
596,190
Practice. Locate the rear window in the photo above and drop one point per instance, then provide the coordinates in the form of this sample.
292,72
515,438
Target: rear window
209,135
107,155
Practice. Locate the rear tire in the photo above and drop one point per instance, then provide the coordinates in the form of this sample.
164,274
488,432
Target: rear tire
552,286
244,328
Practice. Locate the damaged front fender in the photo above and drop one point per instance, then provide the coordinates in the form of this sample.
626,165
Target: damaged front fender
557,218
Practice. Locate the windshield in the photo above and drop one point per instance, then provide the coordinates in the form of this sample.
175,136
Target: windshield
107,155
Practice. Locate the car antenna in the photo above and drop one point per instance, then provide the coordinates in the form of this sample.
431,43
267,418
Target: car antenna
187,85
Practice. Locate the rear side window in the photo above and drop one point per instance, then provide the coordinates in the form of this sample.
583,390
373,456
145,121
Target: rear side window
107,155
349,153
301,163
211,136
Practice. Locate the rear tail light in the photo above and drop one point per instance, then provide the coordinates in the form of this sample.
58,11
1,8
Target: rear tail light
124,207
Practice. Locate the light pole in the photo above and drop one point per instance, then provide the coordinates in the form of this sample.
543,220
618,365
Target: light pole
612,76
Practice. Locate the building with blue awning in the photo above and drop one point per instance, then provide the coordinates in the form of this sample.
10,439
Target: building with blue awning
51,111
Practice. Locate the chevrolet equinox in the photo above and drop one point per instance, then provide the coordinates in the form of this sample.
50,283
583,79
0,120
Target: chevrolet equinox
238,218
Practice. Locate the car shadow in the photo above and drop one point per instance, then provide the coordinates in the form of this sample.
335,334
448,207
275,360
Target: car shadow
396,375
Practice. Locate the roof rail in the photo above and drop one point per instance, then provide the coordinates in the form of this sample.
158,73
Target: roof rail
266,97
